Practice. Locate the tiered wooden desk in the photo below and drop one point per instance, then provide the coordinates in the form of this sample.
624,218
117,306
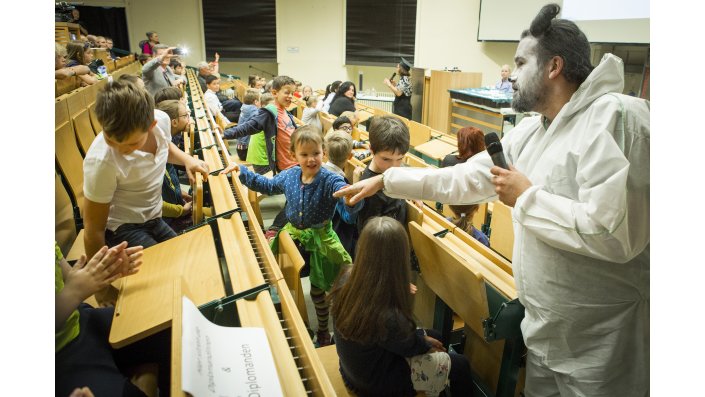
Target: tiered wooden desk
239,259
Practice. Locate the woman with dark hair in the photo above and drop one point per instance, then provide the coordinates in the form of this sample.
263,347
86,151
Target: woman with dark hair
344,99
324,104
381,351
471,141
401,90
78,53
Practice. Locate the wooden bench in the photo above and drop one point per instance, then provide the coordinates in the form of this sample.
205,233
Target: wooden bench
291,262
329,358
84,130
502,230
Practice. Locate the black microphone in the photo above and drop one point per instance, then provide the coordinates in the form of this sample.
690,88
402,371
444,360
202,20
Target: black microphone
494,149
393,76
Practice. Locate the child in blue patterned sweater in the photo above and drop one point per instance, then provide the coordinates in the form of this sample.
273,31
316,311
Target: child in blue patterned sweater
309,209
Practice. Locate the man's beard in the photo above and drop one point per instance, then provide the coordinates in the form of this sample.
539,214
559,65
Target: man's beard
529,94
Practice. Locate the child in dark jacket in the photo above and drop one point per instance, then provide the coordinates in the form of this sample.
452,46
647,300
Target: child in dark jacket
276,122
381,351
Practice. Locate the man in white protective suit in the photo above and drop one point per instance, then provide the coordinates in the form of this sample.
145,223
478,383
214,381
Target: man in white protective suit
579,187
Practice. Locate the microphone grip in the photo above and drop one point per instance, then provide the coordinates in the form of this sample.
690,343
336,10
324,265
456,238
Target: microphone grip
499,160
393,75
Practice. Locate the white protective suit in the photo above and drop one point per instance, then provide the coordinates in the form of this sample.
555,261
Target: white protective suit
581,245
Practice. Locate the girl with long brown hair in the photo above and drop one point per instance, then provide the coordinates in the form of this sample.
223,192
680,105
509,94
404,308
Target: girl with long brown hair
381,351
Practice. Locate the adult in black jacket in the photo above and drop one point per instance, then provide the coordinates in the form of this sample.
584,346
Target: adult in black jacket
344,99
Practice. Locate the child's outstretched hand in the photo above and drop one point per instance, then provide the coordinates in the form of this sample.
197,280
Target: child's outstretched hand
230,168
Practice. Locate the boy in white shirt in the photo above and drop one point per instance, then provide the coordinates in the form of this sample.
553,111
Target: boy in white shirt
216,108
124,168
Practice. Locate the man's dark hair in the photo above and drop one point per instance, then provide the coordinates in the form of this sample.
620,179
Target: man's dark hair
388,133
563,38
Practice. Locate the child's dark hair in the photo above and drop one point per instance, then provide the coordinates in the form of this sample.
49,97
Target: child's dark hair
167,93
462,216
305,134
340,121
332,88
388,133
378,285
211,78
123,108
281,81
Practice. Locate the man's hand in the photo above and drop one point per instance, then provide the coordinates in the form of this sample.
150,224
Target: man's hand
192,166
166,55
187,207
358,191
509,184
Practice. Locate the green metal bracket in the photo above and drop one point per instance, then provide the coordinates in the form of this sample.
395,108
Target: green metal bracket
505,324
506,320
441,233
223,311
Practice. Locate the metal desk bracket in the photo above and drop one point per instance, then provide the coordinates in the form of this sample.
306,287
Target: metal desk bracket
505,324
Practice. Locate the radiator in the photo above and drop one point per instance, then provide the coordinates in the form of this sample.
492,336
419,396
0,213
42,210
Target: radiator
381,100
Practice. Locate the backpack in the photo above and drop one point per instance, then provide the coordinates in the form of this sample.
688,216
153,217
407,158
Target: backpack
142,43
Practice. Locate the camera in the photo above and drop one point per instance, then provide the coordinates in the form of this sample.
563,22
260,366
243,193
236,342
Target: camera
178,51
62,11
